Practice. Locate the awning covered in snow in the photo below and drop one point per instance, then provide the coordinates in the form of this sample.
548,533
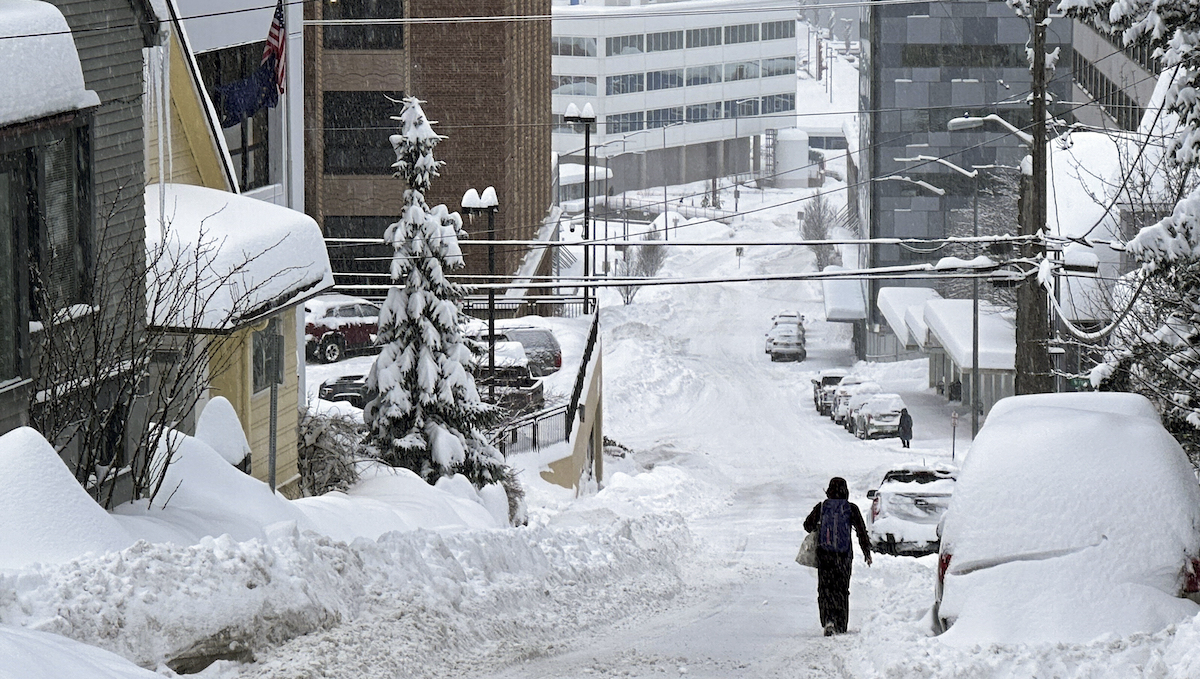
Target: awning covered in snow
949,321
845,300
41,75
218,259
894,303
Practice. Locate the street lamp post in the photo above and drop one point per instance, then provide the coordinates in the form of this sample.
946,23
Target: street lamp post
666,224
588,118
737,109
972,174
474,203
1033,332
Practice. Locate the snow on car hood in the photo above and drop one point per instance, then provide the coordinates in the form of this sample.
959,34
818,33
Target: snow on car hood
1042,480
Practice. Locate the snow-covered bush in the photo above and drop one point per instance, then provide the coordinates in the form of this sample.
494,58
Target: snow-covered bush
330,446
425,413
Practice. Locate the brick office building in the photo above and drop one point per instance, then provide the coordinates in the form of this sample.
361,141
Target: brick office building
485,83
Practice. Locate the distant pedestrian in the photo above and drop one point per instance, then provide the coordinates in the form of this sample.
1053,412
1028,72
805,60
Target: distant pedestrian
905,427
833,520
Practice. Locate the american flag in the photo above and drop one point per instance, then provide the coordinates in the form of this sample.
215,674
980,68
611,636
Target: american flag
277,46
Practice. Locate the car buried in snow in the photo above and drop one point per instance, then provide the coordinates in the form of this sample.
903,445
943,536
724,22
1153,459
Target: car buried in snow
786,343
1074,515
907,507
850,387
336,325
824,385
876,415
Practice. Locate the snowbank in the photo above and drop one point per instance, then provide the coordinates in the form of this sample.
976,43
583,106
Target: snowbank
41,74
45,515
219,427
29,654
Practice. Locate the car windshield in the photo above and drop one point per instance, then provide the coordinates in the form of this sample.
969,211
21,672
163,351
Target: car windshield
915,476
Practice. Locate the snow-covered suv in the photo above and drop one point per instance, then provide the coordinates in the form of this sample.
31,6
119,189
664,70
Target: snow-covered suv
337,324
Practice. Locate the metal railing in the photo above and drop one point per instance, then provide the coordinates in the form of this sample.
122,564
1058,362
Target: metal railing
573,407
531,432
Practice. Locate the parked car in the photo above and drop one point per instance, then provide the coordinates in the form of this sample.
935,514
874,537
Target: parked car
516,388
907,507
335,325
786,343
849,387
1074,515
856,403
788,318
878,415
824,385
349,388
541,346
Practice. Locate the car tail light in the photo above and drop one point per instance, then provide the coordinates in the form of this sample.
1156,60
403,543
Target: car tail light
875,508
943,566
558,359
1191,582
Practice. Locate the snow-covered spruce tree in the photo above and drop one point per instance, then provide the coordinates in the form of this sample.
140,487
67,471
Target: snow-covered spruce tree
426,414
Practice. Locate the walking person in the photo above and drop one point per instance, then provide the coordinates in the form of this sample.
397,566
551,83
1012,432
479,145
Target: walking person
905,427
833,520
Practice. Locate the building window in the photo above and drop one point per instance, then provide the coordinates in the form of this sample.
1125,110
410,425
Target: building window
357,127
364,36
661,42
780,66
624,122
963,56
704,37
741,70
703,75
742,33
573,85
246,134
572,47
698,113
624,44
778,103
624,84
664,80
268,356
778,30
45,216
662,117
741,108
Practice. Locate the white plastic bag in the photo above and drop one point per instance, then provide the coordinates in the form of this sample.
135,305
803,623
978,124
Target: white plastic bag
808,551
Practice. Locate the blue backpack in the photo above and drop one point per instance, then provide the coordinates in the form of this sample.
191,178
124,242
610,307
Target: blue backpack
834,532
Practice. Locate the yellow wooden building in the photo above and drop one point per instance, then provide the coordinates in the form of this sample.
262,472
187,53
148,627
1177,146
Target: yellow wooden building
270,258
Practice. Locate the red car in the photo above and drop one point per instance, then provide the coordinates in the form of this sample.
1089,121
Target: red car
337,324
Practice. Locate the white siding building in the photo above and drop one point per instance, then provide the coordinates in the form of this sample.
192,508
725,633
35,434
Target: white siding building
681,90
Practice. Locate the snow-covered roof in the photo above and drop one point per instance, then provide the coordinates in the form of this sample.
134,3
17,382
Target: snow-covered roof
572,173
845,300
256,257
41,75
950,321
918,329
894,303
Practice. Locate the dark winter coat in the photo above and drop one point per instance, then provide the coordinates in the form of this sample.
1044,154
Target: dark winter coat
905,426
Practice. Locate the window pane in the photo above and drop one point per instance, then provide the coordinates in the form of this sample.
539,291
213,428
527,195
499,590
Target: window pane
741,70
222,71
363,37
9,367
357,127
61,249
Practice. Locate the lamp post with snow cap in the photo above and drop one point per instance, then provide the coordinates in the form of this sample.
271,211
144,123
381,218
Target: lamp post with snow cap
972,174
474,203
586,117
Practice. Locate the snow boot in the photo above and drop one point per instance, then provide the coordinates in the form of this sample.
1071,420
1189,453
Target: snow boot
829,629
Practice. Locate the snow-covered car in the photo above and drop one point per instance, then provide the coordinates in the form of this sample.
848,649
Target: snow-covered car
349,388
541,346
788,318
877,415
514,387
824,384
841,401
906,509
1074,516
335,325
856,402
786,343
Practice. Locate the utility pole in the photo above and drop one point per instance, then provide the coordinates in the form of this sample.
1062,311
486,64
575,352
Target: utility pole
1033,314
